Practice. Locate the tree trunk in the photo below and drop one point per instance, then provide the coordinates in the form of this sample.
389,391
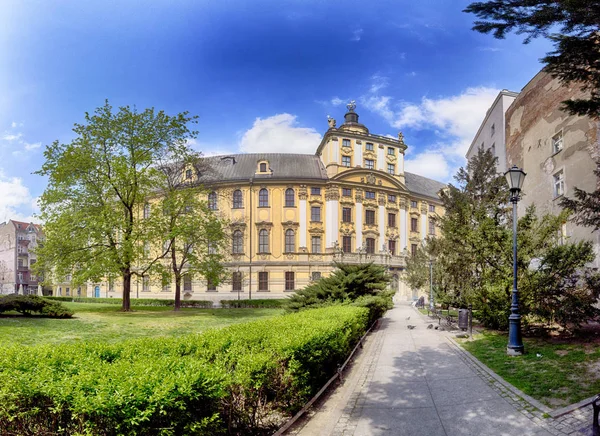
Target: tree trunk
177,290
126,290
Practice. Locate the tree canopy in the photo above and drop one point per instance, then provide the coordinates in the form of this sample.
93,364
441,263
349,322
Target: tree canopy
96,186
572,25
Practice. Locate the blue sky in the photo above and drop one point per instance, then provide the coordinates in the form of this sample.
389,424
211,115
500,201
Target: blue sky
261,75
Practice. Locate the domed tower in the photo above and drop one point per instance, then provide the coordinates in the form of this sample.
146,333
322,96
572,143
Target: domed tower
351,146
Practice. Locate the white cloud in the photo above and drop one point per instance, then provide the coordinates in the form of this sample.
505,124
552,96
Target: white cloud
13,124
336,101
356,35
453,119
11,136
279,134
432,164
412,74
378,83
15,199
29,146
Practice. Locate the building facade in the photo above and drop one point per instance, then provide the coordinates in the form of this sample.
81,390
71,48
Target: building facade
558,151
292,216
491,133
17,255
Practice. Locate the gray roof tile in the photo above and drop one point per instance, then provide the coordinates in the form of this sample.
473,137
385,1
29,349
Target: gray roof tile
422,185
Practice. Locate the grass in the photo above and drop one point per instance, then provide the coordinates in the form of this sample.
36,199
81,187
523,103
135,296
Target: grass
562,374
105,322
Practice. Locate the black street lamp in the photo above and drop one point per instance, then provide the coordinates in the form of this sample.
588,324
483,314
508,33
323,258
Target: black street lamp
515,177
431,302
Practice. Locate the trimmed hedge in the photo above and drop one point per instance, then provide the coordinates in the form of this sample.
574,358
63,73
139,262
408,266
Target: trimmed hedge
265,303
202,304
26,304
243,379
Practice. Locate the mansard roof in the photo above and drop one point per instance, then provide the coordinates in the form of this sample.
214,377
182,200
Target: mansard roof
238,167
422,185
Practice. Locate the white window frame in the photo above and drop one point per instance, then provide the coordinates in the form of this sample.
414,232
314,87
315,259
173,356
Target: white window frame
559,187
557,142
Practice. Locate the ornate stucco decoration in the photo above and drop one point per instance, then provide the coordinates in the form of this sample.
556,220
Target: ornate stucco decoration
290,225
381,199
314,228
303,192
358,196
332,193
403,202
423,207
331,122
238,225
264,225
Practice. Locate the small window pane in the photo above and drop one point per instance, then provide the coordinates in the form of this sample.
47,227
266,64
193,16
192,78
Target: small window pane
289,197
370,245
316,244
347,192
263,281
369,146
289,281
345,143
237,199
263,241
290,241
236,281
315,191
370,194
369,164
392,169
263,198
347,215
369,217
347,244
346,161
315,213
391,151
391,220
238,242
212,201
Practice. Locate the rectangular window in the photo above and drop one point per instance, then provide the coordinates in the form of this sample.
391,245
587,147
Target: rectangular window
391,151
369,164
316,244
431,227
413,249
211,285
559,184
316,275
20,263
370,245
236,281
392,247
346,161
413,204
392,169
188,174
145,284
392,198
345,143
369,146
187,283
369,217
347,244
146,211
414,225
289,281
68,292
347,192
557,142
432,208
315,213
370,194
315,191
263,281
391,220
493,130
346,214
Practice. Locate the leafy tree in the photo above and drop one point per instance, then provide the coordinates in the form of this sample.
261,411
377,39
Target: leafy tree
182,226
572,25
585,206
96,184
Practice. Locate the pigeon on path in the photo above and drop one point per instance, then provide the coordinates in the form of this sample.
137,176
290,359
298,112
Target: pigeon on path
430,326
410,327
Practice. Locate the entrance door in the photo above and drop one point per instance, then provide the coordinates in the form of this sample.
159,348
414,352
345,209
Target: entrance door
97,292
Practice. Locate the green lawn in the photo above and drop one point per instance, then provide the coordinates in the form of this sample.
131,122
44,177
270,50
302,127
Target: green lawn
563,374
105,322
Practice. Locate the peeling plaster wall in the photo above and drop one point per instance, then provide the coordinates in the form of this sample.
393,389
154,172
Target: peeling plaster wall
531,122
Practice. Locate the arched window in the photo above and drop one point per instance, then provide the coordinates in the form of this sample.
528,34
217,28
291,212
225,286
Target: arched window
263,241
263,198
290,241
238,242
212,201
237,199
289,197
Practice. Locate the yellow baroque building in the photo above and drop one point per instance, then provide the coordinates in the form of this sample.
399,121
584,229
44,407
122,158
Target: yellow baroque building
293,215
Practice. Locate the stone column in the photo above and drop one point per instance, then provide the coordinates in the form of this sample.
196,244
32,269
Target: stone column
400,163
302,195
359,218
403,224
380,158
332,224
358,155
381,223
423,220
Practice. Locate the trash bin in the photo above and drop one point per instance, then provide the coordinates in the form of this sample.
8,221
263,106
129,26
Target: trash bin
463,319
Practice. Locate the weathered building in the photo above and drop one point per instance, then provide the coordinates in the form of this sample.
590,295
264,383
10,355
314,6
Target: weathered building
558,151
17,243
491,133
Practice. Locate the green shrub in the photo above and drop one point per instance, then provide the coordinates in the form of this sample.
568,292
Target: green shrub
376,304
264,303
152,302
238,380
26,304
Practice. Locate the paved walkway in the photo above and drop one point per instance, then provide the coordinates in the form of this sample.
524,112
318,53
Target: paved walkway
414,382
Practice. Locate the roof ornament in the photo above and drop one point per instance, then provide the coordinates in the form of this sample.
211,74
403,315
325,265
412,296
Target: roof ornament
401,137
351,106
331,122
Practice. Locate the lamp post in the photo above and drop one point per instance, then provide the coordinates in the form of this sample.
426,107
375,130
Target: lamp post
515,177
431,303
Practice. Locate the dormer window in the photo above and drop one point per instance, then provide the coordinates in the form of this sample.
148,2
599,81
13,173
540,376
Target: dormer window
263,167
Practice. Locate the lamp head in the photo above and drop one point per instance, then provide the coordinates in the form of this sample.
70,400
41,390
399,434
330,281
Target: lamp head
515,177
